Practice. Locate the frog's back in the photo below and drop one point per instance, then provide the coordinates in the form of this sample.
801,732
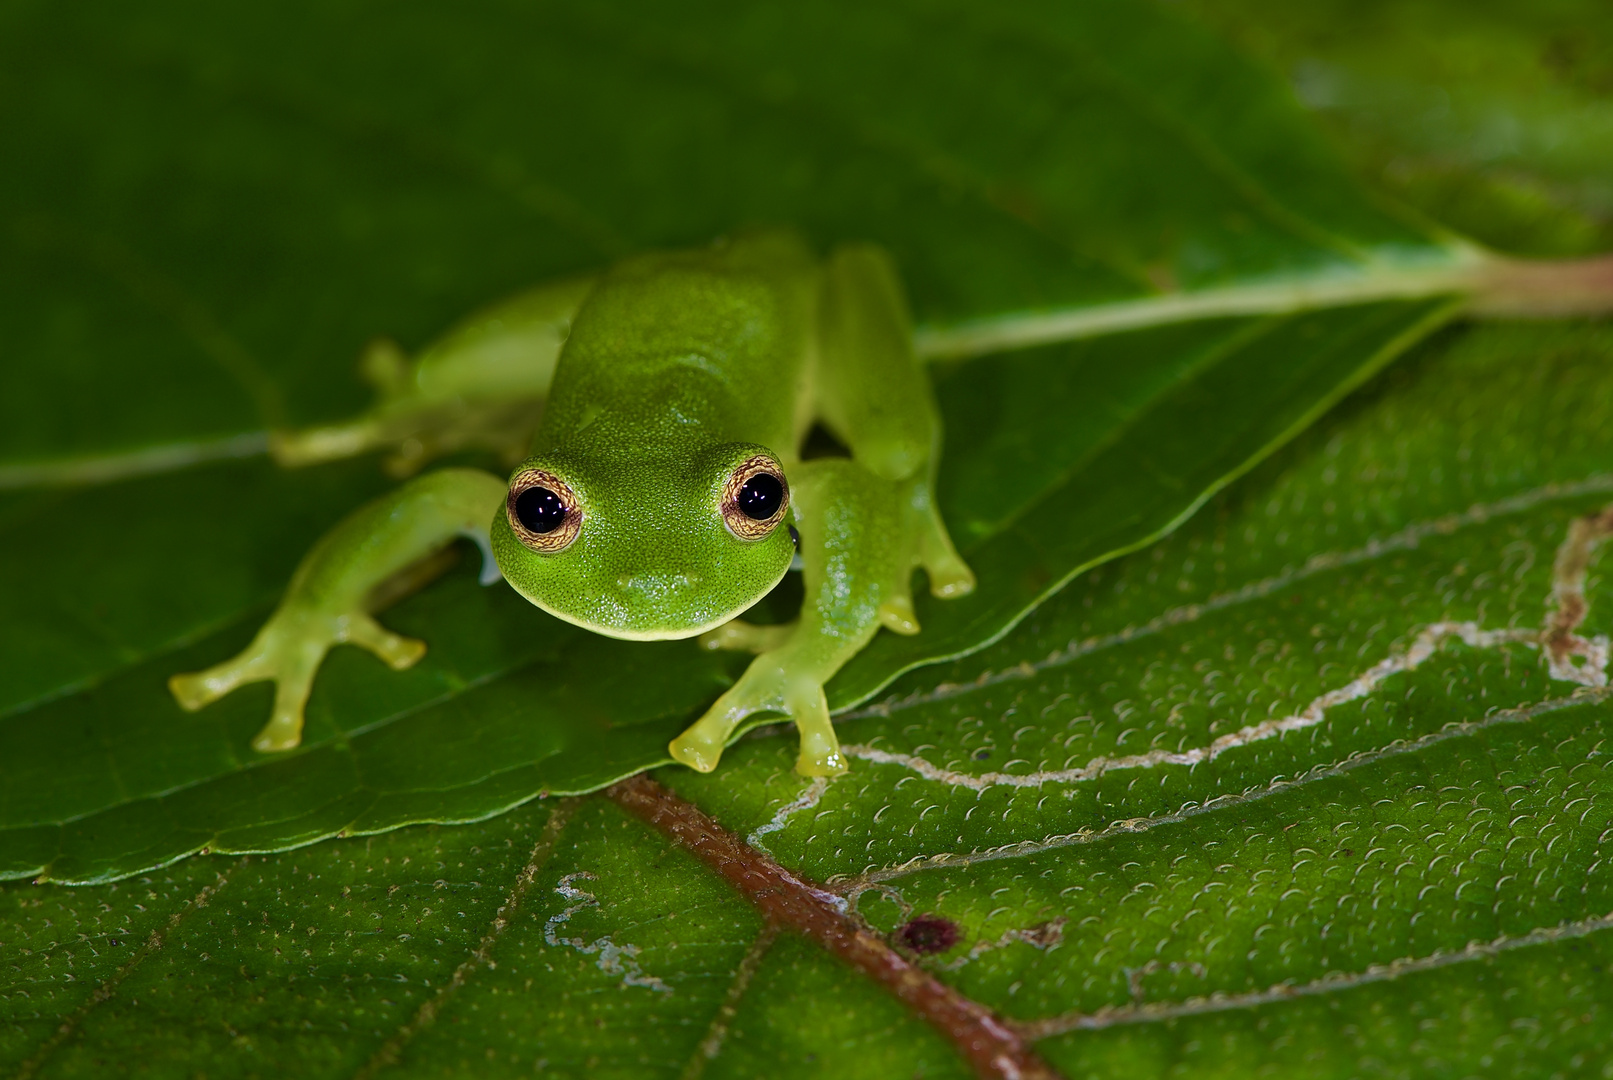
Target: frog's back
717,339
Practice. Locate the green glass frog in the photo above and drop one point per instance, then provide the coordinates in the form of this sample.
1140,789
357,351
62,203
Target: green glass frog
664,492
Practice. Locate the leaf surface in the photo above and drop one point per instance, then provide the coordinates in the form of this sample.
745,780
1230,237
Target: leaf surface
192,166
1291,790
1493,117
1416,876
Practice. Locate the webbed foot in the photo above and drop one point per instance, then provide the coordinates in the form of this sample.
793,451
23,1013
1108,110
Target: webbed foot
950,578
288,651
896,614
767,686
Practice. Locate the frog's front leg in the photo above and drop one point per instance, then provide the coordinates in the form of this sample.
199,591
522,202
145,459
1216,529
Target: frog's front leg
327,602
860,541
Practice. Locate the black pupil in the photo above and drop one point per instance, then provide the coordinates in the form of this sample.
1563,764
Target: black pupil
761,496
540,510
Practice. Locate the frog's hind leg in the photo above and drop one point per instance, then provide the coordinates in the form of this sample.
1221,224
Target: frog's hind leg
949,575
872,393
328,600
480,386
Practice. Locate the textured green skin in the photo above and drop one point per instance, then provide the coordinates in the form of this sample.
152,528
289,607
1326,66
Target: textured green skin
679,367
326,602
675,369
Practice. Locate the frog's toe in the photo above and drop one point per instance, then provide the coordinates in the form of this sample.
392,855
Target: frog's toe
194,689
820,748
283,732
292,672
820,762
741,636
897,615
770,684
699,752
950,578
287,651
293,678
398,651
258,661
701,745
820,757
190,690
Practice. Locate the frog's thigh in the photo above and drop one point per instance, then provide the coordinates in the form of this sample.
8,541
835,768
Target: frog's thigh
950,577
327,601
857,553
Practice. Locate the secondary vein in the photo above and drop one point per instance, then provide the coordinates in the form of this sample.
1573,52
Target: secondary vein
391,1051
1153,1012
109,986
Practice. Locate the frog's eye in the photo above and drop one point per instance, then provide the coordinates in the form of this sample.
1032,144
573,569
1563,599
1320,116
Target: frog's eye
543,510
755,498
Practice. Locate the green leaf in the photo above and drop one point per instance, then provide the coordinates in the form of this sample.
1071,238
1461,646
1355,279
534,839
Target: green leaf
1328,880
1494,117
188,167
1036,495
254,149
1468,798
1402,872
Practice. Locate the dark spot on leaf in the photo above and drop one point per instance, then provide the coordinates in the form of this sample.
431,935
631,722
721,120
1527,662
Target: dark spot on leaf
114,941
982,754
1035,577
1018,200
928,934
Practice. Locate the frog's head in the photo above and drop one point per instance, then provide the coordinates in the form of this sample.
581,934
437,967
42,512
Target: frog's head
646,548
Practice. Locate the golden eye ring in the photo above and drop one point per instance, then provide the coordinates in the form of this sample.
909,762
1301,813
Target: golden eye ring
755,498
544,512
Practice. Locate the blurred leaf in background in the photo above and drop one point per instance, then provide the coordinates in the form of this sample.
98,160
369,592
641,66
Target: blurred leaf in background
1292,789
1496,117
